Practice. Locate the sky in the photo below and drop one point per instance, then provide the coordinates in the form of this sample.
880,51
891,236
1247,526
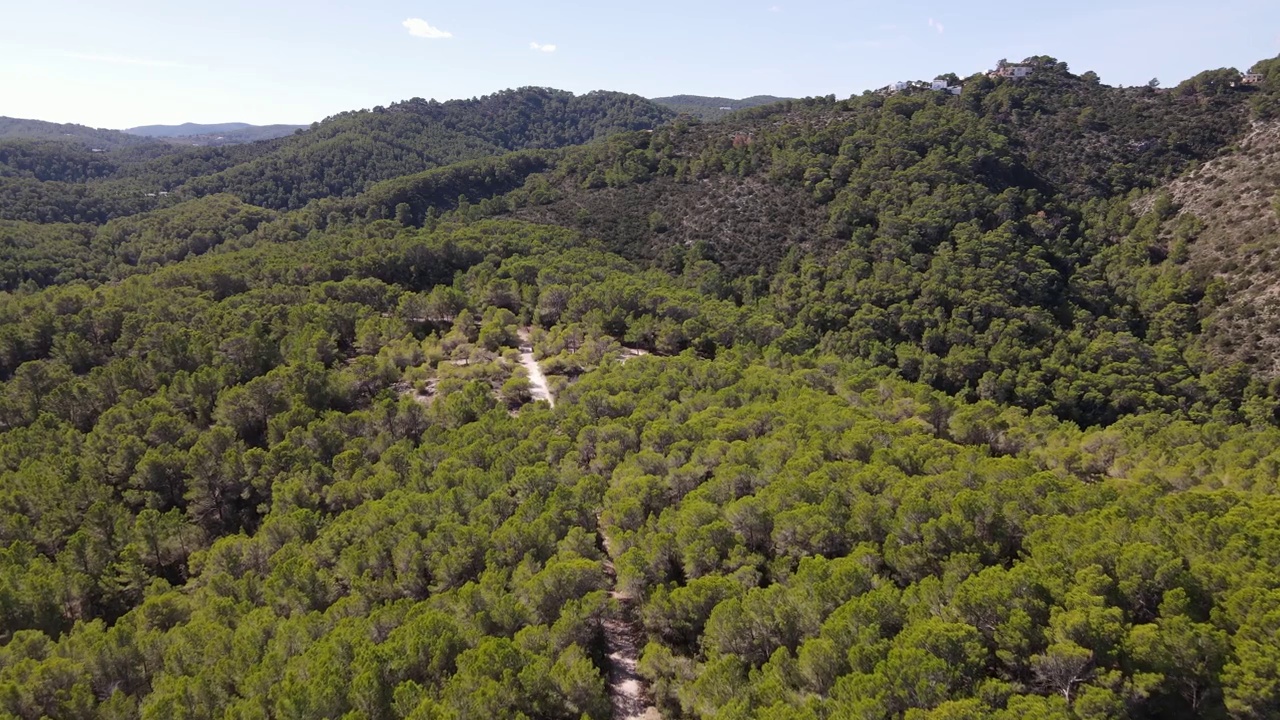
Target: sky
123,63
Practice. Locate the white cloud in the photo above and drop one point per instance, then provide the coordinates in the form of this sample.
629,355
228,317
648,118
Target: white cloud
937,26
123,60
775,8
542,48
421,28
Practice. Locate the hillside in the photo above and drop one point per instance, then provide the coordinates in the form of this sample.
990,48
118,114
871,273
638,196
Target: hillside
19,129
803,172
341,156
713,108
345,154
896,407
1222,221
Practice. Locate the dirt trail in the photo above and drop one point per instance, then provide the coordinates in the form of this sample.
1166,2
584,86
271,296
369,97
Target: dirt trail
628,353
538,381
623,641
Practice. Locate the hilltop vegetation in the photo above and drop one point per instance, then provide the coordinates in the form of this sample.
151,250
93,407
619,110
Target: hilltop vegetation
929,424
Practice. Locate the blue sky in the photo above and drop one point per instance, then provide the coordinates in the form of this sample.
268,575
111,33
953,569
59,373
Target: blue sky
130,62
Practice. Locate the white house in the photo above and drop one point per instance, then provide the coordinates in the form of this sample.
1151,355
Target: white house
1013,72
726,108
900,86
955,89
1252,78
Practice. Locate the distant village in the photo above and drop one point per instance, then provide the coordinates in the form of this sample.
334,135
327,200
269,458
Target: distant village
1003,69
1008,71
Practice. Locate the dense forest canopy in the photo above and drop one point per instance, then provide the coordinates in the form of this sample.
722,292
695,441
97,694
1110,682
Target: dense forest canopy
907,405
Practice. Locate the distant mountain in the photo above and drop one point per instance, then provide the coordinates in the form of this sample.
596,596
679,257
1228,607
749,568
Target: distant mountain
165,131
20,129
214,134
713,108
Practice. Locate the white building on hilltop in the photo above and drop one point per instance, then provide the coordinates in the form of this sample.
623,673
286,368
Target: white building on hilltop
946,87
1005,69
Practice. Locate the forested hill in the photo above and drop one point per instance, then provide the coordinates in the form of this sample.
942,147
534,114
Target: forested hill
20,129
819,171
341,156
713,108
345,153
907,406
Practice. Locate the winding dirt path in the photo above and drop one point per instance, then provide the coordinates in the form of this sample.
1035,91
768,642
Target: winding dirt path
540,390
623,640
623,637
